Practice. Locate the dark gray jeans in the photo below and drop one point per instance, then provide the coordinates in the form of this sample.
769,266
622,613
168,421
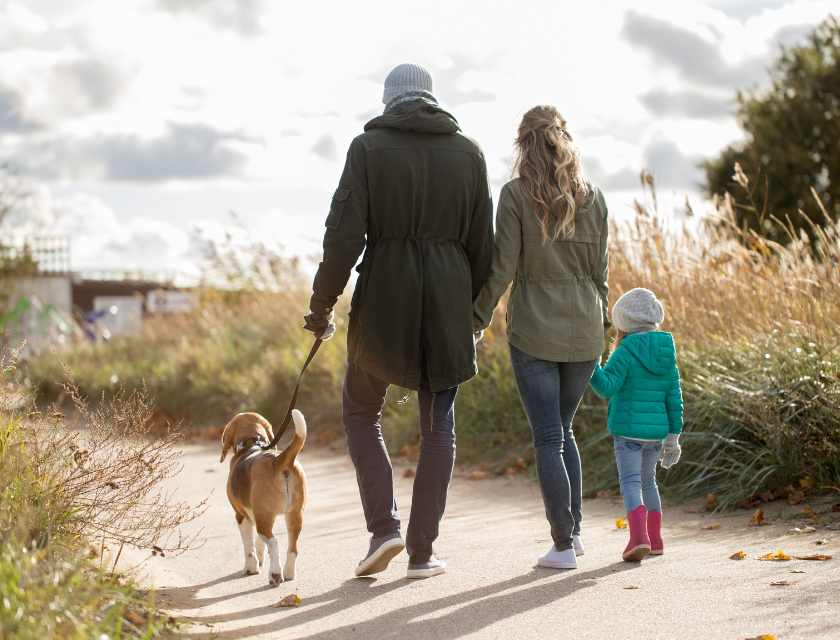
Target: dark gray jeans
364,397
551,393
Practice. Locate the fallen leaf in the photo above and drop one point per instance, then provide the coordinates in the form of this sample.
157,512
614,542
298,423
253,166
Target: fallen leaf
835,507
814,556
409,473
766,636
823,541
780,493
291,600
766,496
621,523
482,467
783,583
808,529
796,496
478,475
758,519
795,571
511,471
796,531
711,501
809,512
779,555
631,586
740,555
805,483
521,465
405,451
710,527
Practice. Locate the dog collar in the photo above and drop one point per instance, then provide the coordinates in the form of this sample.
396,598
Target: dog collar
250,442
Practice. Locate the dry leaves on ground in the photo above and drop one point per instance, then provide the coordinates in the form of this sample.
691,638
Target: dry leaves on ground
779,555
478,475
291,600
783,583
409,473
710,527
711,502
823,541
796,531
758,519
835,507
621,523
814,556
809,513
765,636
630,586
740,555
795,571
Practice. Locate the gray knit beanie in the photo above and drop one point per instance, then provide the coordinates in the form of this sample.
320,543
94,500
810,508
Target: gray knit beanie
406,77
637,310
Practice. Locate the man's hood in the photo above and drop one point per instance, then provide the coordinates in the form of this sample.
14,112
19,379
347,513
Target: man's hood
416,115
654,350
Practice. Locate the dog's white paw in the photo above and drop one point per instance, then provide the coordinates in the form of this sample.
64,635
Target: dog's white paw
276,580
289,569
252,567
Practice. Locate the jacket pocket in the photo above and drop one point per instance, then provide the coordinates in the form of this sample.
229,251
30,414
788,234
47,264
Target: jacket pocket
339,199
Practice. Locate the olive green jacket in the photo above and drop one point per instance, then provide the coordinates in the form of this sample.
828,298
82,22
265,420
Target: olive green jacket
557,309
415,197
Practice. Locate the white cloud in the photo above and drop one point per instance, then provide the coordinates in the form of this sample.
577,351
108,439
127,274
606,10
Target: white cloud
259,100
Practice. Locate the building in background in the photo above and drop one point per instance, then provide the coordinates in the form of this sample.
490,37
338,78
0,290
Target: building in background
52,305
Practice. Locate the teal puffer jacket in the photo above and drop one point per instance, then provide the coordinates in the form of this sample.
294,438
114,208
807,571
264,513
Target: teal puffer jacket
643,383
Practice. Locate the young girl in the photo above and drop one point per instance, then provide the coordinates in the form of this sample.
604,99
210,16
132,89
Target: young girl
643,382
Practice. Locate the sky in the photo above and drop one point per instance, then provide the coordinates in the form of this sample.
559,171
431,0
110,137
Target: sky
141,128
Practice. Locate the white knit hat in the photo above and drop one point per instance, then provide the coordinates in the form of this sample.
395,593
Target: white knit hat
406,77
637,310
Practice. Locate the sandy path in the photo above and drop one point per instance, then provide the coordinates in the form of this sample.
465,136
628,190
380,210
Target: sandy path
491,536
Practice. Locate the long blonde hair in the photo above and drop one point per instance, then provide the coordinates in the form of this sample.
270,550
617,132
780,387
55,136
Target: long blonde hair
619,336
549,171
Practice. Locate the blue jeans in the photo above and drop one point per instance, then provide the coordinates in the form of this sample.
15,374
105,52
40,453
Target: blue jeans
364,397
636,462
550,393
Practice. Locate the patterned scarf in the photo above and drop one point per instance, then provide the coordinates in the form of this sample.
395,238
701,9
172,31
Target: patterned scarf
409,95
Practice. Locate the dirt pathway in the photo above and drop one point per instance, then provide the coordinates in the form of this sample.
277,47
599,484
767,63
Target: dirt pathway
492,534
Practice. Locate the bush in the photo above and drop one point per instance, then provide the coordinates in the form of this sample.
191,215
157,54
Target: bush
64,486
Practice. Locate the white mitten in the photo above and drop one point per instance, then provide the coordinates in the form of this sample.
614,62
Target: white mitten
670,453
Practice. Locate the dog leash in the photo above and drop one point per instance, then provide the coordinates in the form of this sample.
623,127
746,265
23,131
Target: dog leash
292,404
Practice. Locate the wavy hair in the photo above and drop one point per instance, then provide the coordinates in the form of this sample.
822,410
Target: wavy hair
549,171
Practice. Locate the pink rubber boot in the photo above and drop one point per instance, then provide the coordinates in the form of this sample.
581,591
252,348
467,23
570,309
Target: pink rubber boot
639,545
654,527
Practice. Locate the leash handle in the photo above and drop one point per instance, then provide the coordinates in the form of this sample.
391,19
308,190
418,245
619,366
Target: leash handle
288,419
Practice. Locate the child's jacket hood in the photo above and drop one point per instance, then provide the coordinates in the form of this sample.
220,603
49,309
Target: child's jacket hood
654,350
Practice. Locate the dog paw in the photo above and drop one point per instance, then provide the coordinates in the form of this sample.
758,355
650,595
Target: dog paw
276,579
287,575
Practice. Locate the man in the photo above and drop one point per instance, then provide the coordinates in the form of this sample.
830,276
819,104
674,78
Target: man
415,197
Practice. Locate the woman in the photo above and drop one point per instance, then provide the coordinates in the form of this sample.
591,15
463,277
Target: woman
551,240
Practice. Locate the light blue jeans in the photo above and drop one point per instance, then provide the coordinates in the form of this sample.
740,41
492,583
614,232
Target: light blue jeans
636,462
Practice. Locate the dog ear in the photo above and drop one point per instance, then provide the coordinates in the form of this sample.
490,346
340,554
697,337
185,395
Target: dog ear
227,440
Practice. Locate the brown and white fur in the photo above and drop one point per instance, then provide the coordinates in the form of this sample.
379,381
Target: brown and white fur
262,485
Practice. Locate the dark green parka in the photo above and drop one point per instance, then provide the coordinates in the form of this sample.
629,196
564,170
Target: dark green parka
415,197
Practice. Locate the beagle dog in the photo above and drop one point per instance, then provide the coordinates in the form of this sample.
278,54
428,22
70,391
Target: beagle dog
263,484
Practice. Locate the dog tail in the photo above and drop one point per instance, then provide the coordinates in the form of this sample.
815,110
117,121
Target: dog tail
287,457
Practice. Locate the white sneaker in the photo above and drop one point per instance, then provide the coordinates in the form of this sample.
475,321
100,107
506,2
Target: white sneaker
558,559
578,545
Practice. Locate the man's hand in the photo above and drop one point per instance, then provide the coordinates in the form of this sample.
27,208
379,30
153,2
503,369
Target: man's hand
322,326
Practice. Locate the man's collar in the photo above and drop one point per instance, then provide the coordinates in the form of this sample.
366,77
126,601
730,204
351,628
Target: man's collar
249,442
